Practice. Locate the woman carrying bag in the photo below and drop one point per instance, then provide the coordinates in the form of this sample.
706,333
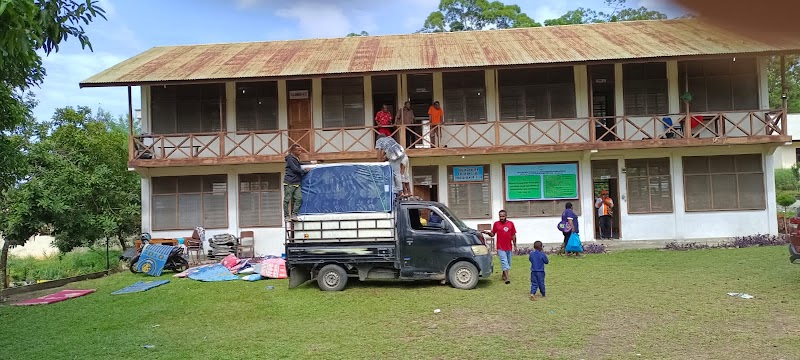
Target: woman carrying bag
569,227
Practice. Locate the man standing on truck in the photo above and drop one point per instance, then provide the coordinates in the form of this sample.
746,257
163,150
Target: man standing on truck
389,150
291,182
506,241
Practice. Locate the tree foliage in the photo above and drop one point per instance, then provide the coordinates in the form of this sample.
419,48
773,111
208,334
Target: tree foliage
462,15
619,12
362,33
27,27
79,173
792,82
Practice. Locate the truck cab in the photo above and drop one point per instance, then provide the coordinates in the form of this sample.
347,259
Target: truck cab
417,240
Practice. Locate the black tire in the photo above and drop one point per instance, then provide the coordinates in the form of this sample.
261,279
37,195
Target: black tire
132,265
332,278
463,275
181,265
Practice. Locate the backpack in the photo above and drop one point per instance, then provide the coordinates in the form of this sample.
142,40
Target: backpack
564,226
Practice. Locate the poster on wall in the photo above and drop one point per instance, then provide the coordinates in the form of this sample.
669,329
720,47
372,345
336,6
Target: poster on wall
541,182
467,173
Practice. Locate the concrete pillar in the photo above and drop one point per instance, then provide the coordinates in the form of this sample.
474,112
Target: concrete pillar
283,111
679,203
581,91
492,95
230,106
619,95
368,115
316,102
673,90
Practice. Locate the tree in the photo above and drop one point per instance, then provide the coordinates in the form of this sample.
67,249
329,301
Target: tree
461,15
81,179
619,12
792,82
26,27
785,199
362,33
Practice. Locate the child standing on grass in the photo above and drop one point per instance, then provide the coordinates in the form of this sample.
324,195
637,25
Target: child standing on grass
538,259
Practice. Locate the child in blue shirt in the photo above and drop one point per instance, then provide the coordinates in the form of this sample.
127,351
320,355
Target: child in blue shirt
538,260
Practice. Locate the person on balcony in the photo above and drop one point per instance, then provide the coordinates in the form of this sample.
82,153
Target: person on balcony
406,117
383,119
436,113
291,182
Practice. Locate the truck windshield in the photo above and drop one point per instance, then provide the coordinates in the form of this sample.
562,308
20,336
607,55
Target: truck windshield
459,224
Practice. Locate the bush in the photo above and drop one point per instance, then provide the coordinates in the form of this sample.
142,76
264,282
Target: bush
785,199
785,180
29,269
735,242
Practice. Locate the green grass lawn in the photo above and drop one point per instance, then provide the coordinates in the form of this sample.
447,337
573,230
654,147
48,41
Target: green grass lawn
644,304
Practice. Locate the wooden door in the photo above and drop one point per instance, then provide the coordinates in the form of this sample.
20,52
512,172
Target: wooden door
300,125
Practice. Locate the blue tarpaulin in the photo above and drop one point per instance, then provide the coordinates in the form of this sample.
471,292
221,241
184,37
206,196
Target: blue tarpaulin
344,188
153,259
140,286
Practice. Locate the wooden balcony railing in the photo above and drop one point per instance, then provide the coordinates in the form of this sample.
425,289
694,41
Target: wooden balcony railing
486,136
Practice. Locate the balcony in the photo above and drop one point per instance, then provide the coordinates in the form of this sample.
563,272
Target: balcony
471,138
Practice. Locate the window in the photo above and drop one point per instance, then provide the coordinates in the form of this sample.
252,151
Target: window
180,109
470,199
260,201
343,102
185,202
720,84
645,88
731,182
425,219
257,106
797,155
527,94
649,186
464,97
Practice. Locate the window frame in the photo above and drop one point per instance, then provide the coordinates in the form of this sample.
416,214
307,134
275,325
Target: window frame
648,177
177,193
634,87
487,181
262,89
179,97
331,88
464,100
576,203
278,190
735,173
549,86
730,75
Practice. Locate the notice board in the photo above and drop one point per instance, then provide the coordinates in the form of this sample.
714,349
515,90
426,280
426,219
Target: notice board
541,182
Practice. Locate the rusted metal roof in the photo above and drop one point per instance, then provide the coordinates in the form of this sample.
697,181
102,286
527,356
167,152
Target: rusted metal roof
491,48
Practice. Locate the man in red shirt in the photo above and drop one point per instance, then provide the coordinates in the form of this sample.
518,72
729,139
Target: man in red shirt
506,242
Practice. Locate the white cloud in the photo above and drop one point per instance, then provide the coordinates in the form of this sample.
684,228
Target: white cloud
60,87
108,7
320,20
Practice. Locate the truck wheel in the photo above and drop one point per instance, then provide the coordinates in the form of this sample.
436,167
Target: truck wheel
463,275
332,278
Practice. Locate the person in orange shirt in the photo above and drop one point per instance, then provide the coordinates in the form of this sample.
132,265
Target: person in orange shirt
436,113
604,206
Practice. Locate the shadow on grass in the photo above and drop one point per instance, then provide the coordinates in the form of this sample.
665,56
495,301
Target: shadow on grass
354,283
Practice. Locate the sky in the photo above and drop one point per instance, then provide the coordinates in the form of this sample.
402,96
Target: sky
133,26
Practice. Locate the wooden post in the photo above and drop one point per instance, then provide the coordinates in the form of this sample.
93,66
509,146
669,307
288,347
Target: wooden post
221,125
401,135
687,122
784,100
130,125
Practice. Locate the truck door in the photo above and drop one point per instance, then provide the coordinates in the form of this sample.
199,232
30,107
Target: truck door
424,243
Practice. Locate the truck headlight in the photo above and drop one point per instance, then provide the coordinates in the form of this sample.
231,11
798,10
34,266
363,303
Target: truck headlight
480,250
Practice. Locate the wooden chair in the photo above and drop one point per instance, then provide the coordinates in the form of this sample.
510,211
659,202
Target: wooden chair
489,240
245,241
195,243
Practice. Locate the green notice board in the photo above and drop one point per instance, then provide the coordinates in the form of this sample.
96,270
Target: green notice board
541,182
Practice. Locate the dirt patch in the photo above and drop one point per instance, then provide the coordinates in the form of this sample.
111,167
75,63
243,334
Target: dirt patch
617,334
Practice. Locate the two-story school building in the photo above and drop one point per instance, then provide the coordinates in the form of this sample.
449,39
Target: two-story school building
671,117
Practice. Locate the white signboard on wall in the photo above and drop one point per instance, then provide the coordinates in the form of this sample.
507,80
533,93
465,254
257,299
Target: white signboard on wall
298,94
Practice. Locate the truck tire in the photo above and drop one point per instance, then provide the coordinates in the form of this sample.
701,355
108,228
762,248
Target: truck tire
332,278
463,275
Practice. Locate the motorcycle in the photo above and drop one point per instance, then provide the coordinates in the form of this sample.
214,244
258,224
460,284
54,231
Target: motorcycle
175,262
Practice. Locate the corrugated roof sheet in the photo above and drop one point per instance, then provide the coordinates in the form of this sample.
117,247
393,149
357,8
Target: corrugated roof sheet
556,44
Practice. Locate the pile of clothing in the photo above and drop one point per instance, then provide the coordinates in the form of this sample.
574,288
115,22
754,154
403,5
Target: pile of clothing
222,245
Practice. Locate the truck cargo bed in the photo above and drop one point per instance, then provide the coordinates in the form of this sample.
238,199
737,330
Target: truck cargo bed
362,252
353,227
